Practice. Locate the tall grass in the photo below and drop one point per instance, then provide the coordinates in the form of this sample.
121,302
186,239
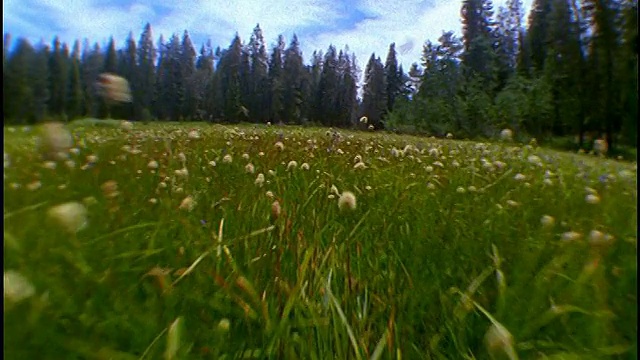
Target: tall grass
443,257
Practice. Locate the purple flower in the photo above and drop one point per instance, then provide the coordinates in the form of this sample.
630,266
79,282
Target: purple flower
203,222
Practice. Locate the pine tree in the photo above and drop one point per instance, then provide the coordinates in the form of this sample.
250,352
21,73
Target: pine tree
479,39
187,60
276,81
293,83
393,77
259,76
374,100
315,97
536,38
17,90
39,80
76,96
58,65
145,77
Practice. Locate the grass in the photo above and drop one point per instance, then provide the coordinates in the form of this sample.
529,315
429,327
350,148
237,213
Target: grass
442,258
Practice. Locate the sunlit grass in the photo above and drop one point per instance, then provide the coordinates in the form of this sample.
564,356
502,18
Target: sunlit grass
350,245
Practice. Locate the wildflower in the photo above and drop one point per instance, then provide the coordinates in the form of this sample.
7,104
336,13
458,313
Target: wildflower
245,156
110,189
261,153
225,324
429,168
347,200
600,146
455,164
17,287
592,199
304,166
276,210
292,165
249,168
55,140
334,190
259,180
430,186
193,134
364,120
271,173
547,182
472,188
279,145
571,236
357,159
212,163
74,151
368,188
187,203
153,201
360,166
499,164
547,221
460,190
499,342
70,164
506,135
152,164
72,216
449,136
371,127
534,159
513,203
182,172
519,177
126,125
89,200
269,194
227,159
34,185
92,159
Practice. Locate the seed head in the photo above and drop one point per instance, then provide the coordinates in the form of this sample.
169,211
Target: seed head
347,201
72,216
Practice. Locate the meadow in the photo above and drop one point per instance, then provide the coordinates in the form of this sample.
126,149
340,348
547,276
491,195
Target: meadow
198,241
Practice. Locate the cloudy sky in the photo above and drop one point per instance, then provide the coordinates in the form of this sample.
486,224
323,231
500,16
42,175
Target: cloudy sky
366,26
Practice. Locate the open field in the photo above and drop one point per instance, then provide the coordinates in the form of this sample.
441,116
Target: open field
451,250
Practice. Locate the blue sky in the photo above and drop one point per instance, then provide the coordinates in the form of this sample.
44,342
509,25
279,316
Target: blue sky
366,26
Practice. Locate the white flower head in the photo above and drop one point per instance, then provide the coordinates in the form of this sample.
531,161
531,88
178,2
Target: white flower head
506,135
71,216
17,287
347,201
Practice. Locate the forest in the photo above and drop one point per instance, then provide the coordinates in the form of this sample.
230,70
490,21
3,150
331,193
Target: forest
568,68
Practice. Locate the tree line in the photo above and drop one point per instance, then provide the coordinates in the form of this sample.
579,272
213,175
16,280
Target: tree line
570,69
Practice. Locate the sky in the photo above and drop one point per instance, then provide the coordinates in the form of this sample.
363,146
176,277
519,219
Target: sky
366,26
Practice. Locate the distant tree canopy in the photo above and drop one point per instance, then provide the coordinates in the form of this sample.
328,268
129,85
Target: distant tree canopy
572,70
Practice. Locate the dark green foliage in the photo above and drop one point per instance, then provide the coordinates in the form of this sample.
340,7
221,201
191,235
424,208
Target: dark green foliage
570,70
374,101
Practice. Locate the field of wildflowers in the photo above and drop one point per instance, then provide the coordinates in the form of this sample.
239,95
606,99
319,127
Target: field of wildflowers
217,242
